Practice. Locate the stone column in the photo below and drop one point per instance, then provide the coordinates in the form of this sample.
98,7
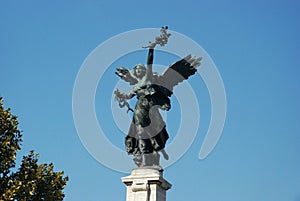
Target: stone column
146,184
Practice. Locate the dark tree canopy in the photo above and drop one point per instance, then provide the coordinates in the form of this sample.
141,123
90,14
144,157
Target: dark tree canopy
31,181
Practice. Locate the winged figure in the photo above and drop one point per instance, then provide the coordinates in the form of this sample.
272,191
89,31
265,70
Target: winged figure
147,135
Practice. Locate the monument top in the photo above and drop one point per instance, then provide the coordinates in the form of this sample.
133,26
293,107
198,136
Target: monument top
147,135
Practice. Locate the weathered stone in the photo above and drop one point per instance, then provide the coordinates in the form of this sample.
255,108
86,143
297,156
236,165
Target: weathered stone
146,184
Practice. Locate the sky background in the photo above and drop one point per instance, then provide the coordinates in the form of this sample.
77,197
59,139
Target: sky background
255,46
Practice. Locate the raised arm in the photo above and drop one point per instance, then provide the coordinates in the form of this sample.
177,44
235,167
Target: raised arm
149,64
160,40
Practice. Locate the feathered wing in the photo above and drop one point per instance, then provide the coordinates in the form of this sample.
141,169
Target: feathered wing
179,71
125,74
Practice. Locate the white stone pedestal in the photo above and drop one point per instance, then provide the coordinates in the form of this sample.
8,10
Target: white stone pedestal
146,184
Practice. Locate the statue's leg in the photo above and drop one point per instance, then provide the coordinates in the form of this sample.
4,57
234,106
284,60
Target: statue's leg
151,159
142,149
144,160
155,158
137,160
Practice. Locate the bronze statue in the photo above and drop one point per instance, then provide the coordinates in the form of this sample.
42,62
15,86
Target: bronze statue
147,133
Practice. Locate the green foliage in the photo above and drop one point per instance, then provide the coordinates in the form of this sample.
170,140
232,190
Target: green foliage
32,181
10,139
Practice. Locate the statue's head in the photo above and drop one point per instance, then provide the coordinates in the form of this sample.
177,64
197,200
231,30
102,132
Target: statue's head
139,70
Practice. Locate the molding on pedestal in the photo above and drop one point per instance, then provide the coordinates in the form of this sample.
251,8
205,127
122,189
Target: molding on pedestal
146,184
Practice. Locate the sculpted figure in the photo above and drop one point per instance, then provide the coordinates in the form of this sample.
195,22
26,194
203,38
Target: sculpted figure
147,135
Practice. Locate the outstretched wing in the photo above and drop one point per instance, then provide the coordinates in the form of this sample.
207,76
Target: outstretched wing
125,74
179,71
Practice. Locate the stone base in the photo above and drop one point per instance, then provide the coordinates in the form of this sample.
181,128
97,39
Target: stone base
146,184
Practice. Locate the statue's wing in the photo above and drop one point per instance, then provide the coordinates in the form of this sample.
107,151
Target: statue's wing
125,74
180,71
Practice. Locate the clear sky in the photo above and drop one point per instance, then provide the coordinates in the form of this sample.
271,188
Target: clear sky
255,46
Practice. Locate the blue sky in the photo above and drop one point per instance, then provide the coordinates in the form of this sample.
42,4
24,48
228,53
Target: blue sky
255,46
